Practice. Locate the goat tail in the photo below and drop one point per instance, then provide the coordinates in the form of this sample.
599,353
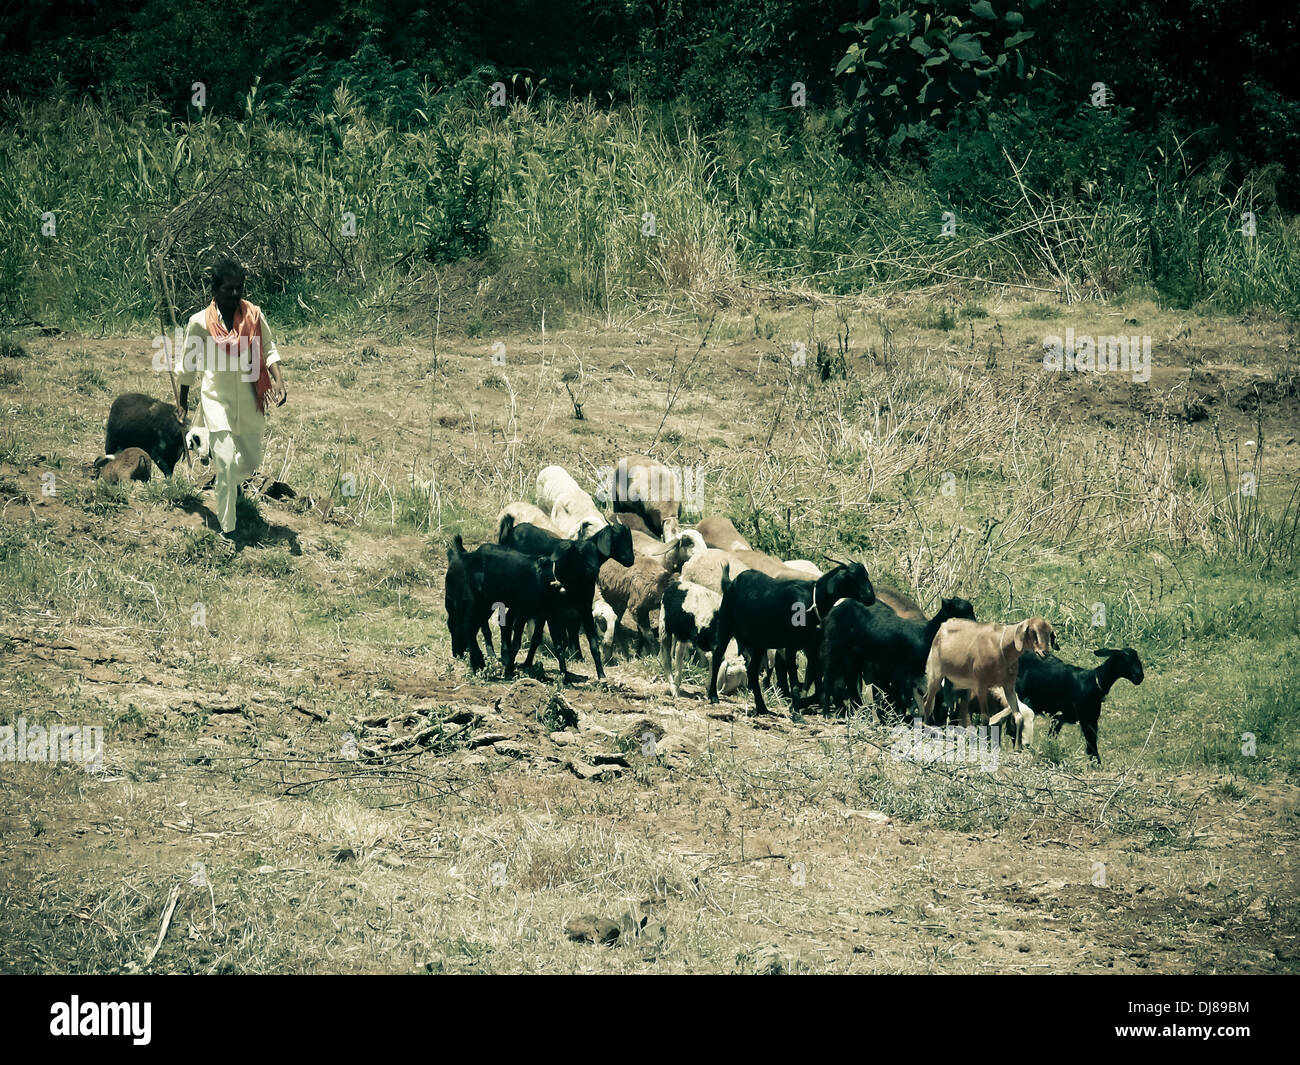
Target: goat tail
505,528
726,577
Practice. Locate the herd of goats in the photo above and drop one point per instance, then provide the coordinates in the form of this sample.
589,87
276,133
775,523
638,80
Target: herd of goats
561,565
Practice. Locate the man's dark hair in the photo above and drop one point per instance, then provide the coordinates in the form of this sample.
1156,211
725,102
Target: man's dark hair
226,269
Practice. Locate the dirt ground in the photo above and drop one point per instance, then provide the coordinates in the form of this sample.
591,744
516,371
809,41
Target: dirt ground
301,790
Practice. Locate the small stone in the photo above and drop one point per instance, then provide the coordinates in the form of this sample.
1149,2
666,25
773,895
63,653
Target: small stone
772,961
592,772
345,854
592,929
635,733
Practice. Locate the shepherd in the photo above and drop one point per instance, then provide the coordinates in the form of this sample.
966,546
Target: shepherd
237,382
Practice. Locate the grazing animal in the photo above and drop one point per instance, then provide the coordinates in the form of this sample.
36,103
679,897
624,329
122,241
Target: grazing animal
494,577
137,420
569,506
705,568
858,639
804,568
770,565
577,567
635,592
1071,694
198,441
978,656
533,540
899,604
648,489
525,514
670,555
688,617
634,522
130,464
762,612
720,533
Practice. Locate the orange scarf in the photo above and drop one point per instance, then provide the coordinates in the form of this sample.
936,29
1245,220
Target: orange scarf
248,327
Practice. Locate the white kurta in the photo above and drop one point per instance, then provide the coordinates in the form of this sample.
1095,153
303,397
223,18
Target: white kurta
226,400
228,408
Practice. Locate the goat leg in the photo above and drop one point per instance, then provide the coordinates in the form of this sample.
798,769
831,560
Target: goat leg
753,662
719,650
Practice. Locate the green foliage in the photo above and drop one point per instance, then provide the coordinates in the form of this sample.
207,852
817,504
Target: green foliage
920,66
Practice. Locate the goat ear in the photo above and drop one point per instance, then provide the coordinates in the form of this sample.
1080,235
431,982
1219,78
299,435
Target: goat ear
1020,636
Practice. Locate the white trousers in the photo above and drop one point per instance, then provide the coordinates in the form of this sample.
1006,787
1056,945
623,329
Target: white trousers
235,457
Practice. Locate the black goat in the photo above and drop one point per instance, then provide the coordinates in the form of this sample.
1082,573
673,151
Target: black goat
520,587
1070,693
761,613
857,638
577,567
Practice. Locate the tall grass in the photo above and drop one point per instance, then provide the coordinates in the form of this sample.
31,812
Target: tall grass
567,204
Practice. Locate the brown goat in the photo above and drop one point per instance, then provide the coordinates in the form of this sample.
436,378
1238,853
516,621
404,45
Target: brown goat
722,534
129,464
977,656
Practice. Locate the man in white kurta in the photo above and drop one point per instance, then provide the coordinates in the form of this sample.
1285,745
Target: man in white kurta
227,398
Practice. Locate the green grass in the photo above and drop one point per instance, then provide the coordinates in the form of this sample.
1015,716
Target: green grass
500,216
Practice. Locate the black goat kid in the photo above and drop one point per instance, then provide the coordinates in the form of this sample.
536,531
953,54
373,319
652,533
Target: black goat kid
520,587
1071,694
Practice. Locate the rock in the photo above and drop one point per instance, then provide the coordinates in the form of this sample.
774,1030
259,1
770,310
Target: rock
434,965
392,861
345,854
773,961
592,772
599,731
875,816
613,758
592,929
634,735
486,739
524,698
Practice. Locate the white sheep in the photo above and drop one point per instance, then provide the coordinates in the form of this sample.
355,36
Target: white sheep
572,510
705,568
671,555
804,567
